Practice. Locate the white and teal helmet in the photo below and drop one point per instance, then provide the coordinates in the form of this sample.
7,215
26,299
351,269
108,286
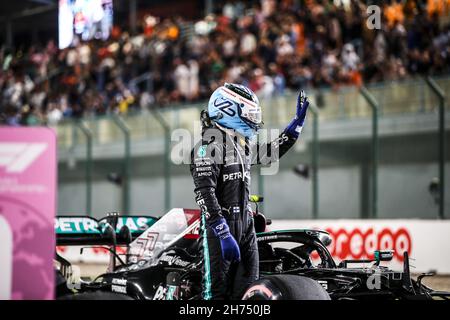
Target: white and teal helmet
236,107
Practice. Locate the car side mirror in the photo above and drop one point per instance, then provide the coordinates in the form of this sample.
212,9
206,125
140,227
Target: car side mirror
125,234
260,222
325,239
383,255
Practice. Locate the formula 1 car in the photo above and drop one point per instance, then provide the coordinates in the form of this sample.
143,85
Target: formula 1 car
163,262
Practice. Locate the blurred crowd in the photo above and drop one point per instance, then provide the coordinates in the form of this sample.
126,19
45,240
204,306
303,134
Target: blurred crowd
267,45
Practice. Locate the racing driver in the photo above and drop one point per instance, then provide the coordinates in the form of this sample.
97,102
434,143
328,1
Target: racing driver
220,167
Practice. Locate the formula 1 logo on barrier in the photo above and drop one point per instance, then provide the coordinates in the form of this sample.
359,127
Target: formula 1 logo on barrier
27,209
17,157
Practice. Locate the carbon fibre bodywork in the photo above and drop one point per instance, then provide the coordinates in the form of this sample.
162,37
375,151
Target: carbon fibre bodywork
175,271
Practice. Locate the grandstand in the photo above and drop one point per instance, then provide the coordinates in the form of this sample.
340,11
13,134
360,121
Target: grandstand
156,71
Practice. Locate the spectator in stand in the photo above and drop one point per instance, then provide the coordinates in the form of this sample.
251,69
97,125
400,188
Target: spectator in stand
268,45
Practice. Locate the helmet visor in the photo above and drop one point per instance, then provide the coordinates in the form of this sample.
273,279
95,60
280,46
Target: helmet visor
252,114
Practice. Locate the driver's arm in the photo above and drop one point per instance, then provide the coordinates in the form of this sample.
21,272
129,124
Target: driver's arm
205,170
273,151
276,149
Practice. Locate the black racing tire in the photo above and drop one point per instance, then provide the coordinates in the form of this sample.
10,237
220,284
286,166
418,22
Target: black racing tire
95,295
286,287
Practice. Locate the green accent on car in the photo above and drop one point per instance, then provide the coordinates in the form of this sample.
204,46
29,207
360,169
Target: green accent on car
87,225
377,255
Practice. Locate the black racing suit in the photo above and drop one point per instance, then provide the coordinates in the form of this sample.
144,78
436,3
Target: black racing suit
220,168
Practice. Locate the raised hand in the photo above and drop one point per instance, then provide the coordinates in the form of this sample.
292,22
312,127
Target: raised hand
294,128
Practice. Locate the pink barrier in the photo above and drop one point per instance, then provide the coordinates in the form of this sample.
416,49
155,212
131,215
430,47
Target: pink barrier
27,211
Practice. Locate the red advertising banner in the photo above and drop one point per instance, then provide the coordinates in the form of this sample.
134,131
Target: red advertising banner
27,211
426,241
